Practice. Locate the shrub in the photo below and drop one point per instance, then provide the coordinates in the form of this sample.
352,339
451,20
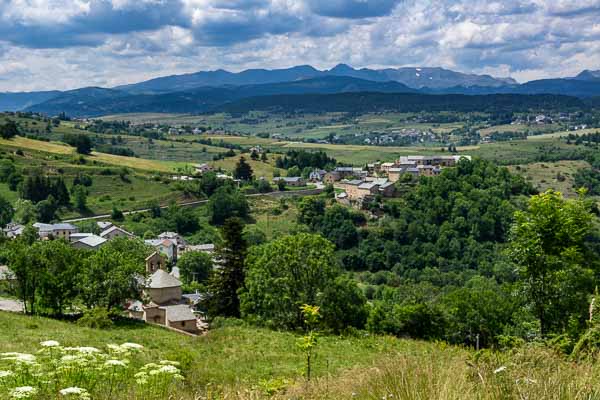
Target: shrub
96,318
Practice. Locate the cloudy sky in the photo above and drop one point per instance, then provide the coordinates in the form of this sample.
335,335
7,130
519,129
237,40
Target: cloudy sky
63,44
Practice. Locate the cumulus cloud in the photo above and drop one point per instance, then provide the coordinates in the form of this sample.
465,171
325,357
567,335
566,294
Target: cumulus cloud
70,43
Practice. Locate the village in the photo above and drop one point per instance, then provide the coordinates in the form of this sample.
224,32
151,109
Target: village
164,302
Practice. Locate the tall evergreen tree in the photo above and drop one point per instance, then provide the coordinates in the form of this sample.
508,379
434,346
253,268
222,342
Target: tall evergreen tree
226,280
243,170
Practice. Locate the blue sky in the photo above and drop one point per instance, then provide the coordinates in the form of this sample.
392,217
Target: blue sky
63,44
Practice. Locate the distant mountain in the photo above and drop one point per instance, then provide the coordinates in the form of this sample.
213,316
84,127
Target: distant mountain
220,78
435,78
412,77
78,102
91,102
22,100
587,75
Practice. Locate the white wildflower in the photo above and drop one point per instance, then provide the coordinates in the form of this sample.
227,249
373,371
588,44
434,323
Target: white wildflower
132,346
115,363
5,374
168,369
85,350
502,368
24,358
50,343
74,391
167,362
23,392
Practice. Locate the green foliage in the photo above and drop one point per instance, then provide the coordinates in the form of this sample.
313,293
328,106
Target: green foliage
82,143
284,274
110,275
228,278
308,342
343,305
80,197
225,203
96,318
46,274
243,170
195,266
6,211
548,243
9,130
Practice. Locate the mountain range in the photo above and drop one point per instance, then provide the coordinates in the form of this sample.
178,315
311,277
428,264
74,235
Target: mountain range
208,91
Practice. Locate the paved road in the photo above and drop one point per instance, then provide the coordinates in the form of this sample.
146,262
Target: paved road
11,305
290,193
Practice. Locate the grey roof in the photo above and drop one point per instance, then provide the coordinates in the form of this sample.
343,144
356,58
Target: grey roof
354,182
115,228
161,280
386,185
104,224
54,227
194,298
208,247
395,170
92,241
136,306
64,227
168,235
178,313
344,169
368,185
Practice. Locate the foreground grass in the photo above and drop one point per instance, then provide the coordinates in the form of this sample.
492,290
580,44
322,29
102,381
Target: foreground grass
236,361
226,359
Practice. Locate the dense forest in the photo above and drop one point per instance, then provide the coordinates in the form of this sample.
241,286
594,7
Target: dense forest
402,102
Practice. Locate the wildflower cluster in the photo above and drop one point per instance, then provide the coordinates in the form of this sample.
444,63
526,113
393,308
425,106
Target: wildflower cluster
83,373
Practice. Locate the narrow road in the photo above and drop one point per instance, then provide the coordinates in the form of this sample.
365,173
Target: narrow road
290,193
11,305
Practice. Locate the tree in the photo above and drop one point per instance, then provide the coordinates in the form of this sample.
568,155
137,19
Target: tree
25,211
547,243
46,209
284,274
228,278
243,170
227,202
82,143
343,305
294,171
9,130
57,287
117,214
6,211
263,157
111,275
80,197
195,266
308,342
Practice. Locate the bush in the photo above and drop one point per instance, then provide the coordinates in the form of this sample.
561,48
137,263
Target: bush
96,318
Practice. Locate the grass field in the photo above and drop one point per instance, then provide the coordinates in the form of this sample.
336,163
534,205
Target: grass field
260,169
63,149
552,175
237,361
233,357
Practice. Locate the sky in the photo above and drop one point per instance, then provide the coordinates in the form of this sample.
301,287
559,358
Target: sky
66,44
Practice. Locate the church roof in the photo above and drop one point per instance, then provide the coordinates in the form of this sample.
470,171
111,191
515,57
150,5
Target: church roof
161,279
